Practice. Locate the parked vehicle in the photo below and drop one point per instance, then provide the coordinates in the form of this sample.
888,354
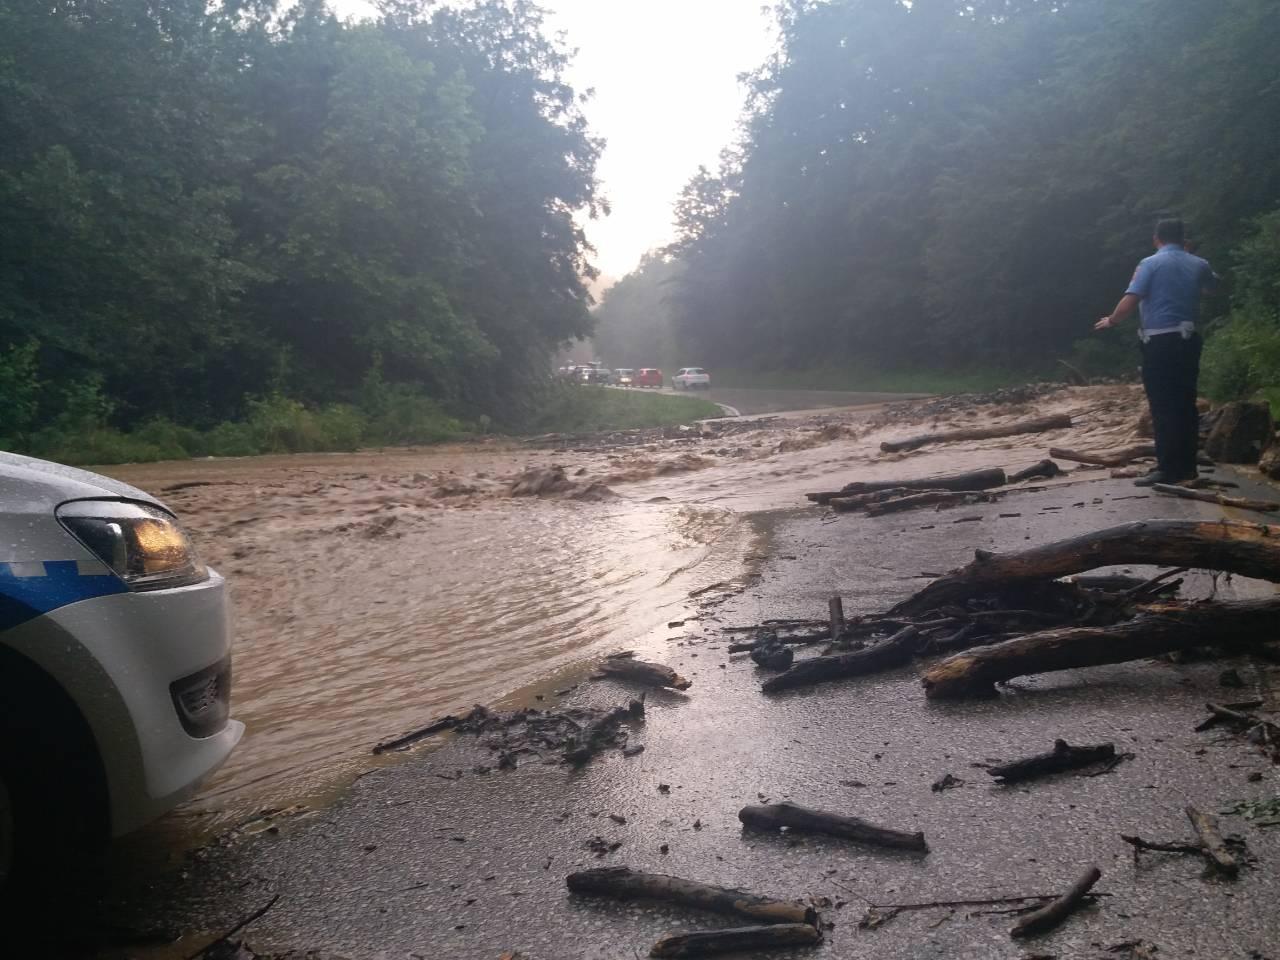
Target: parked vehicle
115,661
691,378
648,377
624,376
594,374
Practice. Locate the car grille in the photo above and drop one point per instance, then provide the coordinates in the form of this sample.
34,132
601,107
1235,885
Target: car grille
203,699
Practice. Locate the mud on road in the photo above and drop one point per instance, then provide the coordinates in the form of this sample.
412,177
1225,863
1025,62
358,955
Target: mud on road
443,855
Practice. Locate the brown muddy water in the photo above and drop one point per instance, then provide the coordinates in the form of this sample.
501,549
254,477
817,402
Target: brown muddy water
376,591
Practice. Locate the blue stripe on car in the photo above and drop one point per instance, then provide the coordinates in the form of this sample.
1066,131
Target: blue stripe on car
27,590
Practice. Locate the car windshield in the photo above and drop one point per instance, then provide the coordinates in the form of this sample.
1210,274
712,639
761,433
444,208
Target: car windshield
694,370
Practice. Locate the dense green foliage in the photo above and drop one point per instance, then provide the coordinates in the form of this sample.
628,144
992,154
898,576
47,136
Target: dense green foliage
953,183
209,207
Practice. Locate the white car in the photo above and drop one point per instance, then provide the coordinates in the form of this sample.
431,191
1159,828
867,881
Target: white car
115,661
691,378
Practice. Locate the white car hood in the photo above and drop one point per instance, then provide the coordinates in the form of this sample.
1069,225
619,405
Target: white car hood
26,480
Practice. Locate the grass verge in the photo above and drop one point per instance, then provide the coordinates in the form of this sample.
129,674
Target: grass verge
280,425
861,379
585,409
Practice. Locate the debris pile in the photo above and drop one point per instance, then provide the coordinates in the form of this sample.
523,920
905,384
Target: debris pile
1009,615
576,733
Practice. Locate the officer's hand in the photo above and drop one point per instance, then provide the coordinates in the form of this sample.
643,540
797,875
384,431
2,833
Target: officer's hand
1103,324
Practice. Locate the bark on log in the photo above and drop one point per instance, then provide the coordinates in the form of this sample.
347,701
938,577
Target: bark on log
1105,458
1215,848
1158,628
839,500
835,612
1058,421
1055,911
1208,496
625,884
1063,757
928,498
776,815
626,667
1233,546
983,479
1037,471
706,943
895,651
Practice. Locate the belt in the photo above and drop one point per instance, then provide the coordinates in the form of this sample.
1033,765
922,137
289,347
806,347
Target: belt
1186,328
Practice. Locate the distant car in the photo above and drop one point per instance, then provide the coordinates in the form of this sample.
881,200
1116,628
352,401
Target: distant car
648,377
624,376
115,661
594,374
691,378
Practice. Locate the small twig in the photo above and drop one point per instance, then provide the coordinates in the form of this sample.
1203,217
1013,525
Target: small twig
1139,845
1054,912
257,914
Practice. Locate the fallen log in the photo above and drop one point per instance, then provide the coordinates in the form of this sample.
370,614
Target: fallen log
1232,546
1215,848
983,479
843,503
622,883
1063,757
941,498
795,640
895,651
624,666
1043,470
706,943
1058,421
774,816
1208,496
1158,628
1055,911
1105,458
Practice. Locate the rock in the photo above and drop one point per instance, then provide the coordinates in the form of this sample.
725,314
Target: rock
1242,431
1270,462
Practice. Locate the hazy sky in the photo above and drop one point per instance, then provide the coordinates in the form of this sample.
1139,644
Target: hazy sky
666,99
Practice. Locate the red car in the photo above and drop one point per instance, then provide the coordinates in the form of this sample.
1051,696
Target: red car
648,377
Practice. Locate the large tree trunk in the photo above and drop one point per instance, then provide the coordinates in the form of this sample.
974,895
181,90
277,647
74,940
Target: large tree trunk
1233,546
1159,628
1058,421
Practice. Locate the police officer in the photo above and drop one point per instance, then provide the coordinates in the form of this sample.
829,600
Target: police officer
1166,290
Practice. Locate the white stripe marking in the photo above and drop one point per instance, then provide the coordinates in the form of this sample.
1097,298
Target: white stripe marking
92,568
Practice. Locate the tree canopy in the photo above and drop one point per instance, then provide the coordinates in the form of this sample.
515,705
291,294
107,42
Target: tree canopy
948,182
207,202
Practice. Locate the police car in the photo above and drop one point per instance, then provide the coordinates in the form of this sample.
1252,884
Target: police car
115,667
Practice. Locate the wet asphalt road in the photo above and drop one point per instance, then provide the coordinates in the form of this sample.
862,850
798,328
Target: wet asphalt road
428,859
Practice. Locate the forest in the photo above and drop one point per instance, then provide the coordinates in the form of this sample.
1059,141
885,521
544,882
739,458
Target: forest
245,221
951,185
241,225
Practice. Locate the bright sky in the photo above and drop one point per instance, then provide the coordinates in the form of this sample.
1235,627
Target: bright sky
666,99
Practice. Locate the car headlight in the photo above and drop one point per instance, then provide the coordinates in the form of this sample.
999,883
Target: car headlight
143,545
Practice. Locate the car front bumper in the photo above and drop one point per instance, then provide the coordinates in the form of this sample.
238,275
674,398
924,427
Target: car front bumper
150,671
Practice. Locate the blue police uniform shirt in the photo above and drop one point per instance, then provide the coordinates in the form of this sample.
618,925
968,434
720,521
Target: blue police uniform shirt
1169,283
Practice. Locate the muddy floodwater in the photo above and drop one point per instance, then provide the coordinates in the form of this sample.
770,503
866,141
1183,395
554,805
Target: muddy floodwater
375,591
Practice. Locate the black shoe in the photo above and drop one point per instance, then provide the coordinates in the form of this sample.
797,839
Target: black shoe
1159,476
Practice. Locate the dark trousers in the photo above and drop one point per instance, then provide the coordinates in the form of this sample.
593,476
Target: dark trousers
1170,368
